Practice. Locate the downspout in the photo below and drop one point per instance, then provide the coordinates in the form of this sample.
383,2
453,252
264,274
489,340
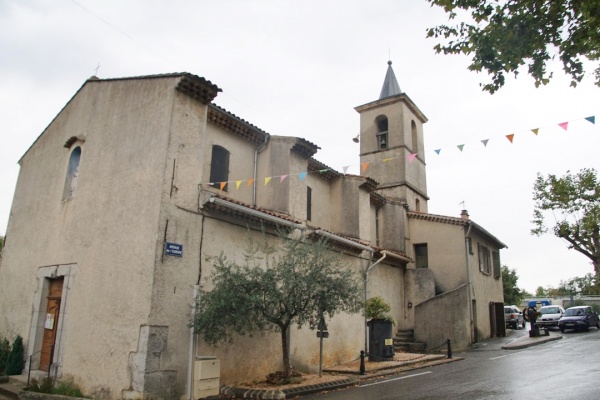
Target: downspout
469,284
256,151
366,287
192,349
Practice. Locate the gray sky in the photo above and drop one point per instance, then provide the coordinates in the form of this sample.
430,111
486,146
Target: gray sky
299,69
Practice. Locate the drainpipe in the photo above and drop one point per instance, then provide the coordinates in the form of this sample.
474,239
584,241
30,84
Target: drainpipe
256,151
192,349
366,287
469,285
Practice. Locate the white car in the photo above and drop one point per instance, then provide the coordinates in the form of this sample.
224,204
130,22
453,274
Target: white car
549,316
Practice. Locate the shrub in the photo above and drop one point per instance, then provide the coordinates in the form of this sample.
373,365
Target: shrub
43,386
377,308
47,385
4,350
14,361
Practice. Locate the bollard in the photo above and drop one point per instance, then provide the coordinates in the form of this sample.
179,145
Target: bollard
362,362
449,349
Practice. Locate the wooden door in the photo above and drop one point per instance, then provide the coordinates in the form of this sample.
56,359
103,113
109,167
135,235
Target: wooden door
51,323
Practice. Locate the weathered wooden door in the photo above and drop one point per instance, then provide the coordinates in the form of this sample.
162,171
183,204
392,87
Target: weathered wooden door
51,323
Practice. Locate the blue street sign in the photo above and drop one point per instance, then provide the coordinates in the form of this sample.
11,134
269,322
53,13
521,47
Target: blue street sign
174,249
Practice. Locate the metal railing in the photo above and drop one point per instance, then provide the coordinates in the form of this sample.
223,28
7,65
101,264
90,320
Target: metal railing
49,364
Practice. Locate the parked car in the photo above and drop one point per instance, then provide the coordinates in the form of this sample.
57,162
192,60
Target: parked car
549,316
579,318
513,317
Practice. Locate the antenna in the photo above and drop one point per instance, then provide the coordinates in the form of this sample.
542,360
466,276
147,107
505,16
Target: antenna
462,203
96,69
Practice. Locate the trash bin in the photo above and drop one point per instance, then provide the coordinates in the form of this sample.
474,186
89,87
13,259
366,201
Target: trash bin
381,340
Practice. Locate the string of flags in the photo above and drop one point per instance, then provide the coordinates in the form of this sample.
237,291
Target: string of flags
364,166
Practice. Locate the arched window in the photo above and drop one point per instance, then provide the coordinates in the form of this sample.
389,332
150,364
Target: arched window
219,167
418,205
72,172
415,140
382,131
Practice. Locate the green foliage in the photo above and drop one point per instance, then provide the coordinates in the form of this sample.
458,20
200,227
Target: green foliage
47,385
574,202
504,36
4,351
541,292
275,287
512,293
44,386
377,308
581,285
15,360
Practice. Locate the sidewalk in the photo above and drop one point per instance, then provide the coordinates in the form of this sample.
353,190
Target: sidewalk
526,341
349,376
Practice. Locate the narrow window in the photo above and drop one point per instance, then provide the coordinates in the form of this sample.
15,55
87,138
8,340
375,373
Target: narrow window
382,132
308,203
418,205
72,172
421,255
497,269
415,139
484,259
219,167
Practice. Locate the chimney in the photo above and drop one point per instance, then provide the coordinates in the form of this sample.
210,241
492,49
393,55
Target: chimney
464,215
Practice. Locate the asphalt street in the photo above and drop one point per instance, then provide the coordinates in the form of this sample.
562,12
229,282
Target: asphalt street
560,369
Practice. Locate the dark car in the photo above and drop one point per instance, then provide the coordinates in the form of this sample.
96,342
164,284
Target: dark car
579,318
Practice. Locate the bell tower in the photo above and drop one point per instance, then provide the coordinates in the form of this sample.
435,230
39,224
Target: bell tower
392,146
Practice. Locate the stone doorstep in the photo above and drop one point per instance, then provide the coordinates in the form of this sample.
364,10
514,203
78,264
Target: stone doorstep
401,366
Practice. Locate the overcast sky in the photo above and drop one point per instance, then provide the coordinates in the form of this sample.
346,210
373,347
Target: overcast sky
299,69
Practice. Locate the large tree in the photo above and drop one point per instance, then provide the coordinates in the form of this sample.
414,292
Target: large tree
512,293
276,287
504,35
573,201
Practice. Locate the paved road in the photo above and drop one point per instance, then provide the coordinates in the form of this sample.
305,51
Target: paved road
562,369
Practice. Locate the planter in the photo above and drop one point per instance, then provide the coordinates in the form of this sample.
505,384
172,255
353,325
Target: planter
381,340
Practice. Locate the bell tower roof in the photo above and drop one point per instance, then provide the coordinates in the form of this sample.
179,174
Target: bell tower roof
390,84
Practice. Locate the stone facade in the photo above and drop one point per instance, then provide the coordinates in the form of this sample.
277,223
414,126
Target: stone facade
129,165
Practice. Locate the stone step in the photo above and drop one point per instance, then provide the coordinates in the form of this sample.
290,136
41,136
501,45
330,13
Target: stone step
410,347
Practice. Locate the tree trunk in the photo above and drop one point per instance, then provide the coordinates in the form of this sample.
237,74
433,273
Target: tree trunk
285,348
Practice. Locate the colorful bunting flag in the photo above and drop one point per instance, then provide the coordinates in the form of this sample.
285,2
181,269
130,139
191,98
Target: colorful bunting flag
282,178
564,125
250,182
302,176
460,147
345,169
535,131
592,119
364,166
267,180
237,184
438,151
411,157
222,185
510,137
388,159
485,141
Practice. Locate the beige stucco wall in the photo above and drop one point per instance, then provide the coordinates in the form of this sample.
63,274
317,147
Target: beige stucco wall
108,230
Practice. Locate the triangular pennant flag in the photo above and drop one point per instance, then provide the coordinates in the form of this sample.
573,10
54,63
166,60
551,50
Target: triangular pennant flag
564,125
237,184
411,157
438,151
460,147
302,176
345,169
322,171
267,180
535,131
282,178
211,183
222,185
592,119
364,166
388,159
510,137
485,141
250,182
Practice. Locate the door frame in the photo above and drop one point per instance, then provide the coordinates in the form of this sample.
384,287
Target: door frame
36,331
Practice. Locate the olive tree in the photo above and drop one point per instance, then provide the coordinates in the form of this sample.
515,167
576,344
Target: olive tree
275,287
503,36
572,202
